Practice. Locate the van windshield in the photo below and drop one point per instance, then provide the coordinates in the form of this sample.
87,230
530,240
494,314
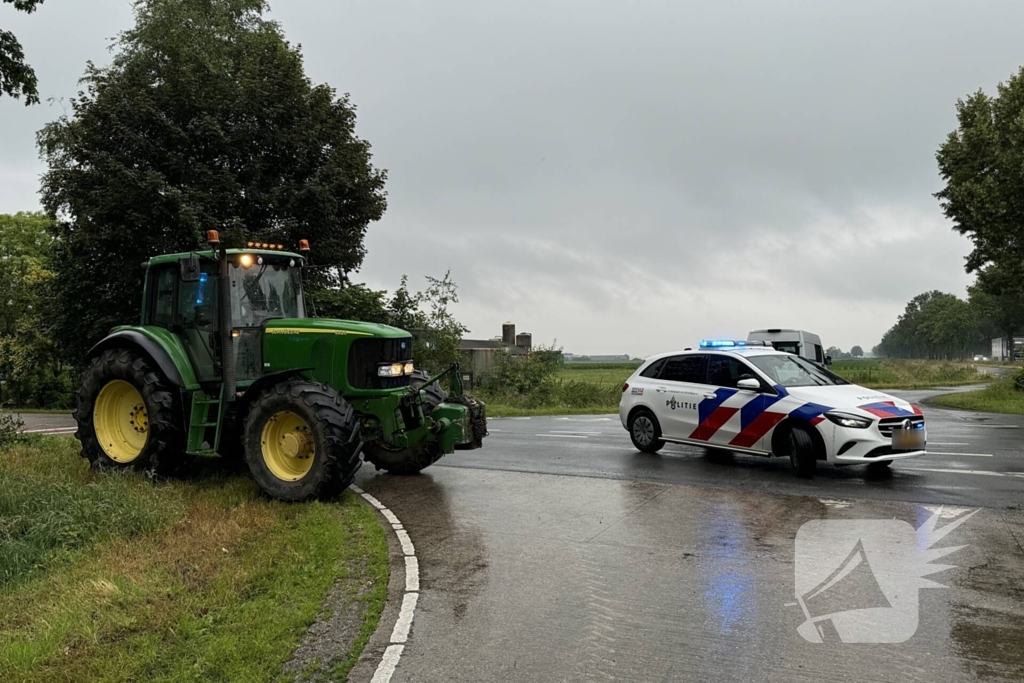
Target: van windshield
793,371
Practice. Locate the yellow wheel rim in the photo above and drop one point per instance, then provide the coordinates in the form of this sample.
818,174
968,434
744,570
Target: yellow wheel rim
287,446
120,421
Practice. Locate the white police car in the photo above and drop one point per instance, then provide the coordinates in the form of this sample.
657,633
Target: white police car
748,397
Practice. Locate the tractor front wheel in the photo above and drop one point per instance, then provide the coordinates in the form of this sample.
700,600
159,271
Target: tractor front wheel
128,415
410,460
302,441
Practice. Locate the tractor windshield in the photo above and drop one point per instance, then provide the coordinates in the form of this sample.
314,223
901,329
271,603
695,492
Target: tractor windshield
263,292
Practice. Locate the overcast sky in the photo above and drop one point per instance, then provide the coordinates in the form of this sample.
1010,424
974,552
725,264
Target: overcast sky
628,177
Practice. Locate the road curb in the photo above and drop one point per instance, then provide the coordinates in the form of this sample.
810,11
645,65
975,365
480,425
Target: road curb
387,644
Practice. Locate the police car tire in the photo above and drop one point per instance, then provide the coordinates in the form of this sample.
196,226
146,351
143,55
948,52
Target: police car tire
654,444
801,452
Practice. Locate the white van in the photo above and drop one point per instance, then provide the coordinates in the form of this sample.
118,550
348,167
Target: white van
798,342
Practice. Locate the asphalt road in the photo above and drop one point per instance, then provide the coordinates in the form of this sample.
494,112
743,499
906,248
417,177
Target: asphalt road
559,553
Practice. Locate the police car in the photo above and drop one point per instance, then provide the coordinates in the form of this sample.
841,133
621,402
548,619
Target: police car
748,397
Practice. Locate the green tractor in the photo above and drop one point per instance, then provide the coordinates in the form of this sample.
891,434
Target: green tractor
225,360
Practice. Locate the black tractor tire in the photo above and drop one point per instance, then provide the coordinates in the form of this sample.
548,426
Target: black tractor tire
645,432
232,442
803,454
160,421
436,394
328,437
402,461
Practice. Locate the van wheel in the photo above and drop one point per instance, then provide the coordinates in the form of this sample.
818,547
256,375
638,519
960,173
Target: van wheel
645,432
802,453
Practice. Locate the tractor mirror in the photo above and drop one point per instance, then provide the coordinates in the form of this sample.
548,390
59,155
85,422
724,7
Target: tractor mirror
189,268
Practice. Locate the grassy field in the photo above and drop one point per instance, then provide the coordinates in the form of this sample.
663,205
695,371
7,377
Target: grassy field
109,577
998,397
582,388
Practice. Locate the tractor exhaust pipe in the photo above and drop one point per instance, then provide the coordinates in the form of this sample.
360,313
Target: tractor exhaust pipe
227,345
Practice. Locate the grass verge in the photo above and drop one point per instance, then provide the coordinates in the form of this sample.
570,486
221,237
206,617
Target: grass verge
998,397
111,577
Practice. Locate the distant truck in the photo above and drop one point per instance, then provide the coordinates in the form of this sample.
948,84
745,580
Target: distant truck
798,342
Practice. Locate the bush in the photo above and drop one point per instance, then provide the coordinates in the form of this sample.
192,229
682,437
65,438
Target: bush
1017,380
9,426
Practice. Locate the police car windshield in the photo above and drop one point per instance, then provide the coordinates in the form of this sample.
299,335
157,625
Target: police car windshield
793,371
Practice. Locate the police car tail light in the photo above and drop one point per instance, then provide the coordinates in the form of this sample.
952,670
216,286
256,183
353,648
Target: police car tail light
625,386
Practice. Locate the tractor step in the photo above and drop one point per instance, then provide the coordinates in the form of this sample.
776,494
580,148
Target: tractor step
201,420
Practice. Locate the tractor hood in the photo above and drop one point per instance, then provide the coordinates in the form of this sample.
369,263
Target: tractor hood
352,328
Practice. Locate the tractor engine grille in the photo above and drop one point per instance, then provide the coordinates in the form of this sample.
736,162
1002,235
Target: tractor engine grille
886,425
366,354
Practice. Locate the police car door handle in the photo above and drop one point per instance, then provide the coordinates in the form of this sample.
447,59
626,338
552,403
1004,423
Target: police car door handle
710,396
661,390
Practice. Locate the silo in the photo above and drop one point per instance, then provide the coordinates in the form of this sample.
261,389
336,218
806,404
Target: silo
508,334
524,340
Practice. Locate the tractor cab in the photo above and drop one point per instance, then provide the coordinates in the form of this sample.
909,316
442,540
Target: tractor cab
181,295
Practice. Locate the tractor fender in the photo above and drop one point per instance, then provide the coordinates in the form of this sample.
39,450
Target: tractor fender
147,345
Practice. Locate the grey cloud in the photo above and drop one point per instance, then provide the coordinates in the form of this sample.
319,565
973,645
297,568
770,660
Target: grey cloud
628,177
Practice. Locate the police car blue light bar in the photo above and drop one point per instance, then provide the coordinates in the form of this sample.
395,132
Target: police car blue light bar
728,343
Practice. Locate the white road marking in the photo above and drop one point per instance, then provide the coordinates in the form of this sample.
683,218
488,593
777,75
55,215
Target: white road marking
400,633
575,431
998,426
403,538
412,573
564,436
976,455
938,443
388,662
945,471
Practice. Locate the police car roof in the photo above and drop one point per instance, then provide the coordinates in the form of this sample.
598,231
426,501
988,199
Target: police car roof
737,350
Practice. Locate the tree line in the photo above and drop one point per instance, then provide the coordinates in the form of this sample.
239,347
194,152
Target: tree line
941,326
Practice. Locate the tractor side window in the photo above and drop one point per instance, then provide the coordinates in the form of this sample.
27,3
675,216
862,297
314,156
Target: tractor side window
197,301
163,297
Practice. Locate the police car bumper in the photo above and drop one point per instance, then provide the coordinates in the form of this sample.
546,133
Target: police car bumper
864,446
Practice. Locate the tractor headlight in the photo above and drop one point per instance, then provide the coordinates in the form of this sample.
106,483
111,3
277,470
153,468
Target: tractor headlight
391,370
848,420
395,369
245,260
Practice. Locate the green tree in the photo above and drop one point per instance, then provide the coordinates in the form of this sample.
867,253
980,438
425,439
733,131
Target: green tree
204,120
30,368
982,163
857,352
17,79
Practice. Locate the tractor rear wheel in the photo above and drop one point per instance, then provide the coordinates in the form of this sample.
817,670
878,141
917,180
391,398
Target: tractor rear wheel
302,441
128,416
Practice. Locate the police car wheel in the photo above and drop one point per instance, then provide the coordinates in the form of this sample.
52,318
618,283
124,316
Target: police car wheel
801,452
645,432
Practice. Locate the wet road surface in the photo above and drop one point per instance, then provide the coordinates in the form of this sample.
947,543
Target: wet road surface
559,553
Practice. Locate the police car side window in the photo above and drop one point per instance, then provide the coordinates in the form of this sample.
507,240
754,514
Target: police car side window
653,369
724,371
684,369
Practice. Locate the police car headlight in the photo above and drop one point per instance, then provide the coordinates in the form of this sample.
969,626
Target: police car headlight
847,420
